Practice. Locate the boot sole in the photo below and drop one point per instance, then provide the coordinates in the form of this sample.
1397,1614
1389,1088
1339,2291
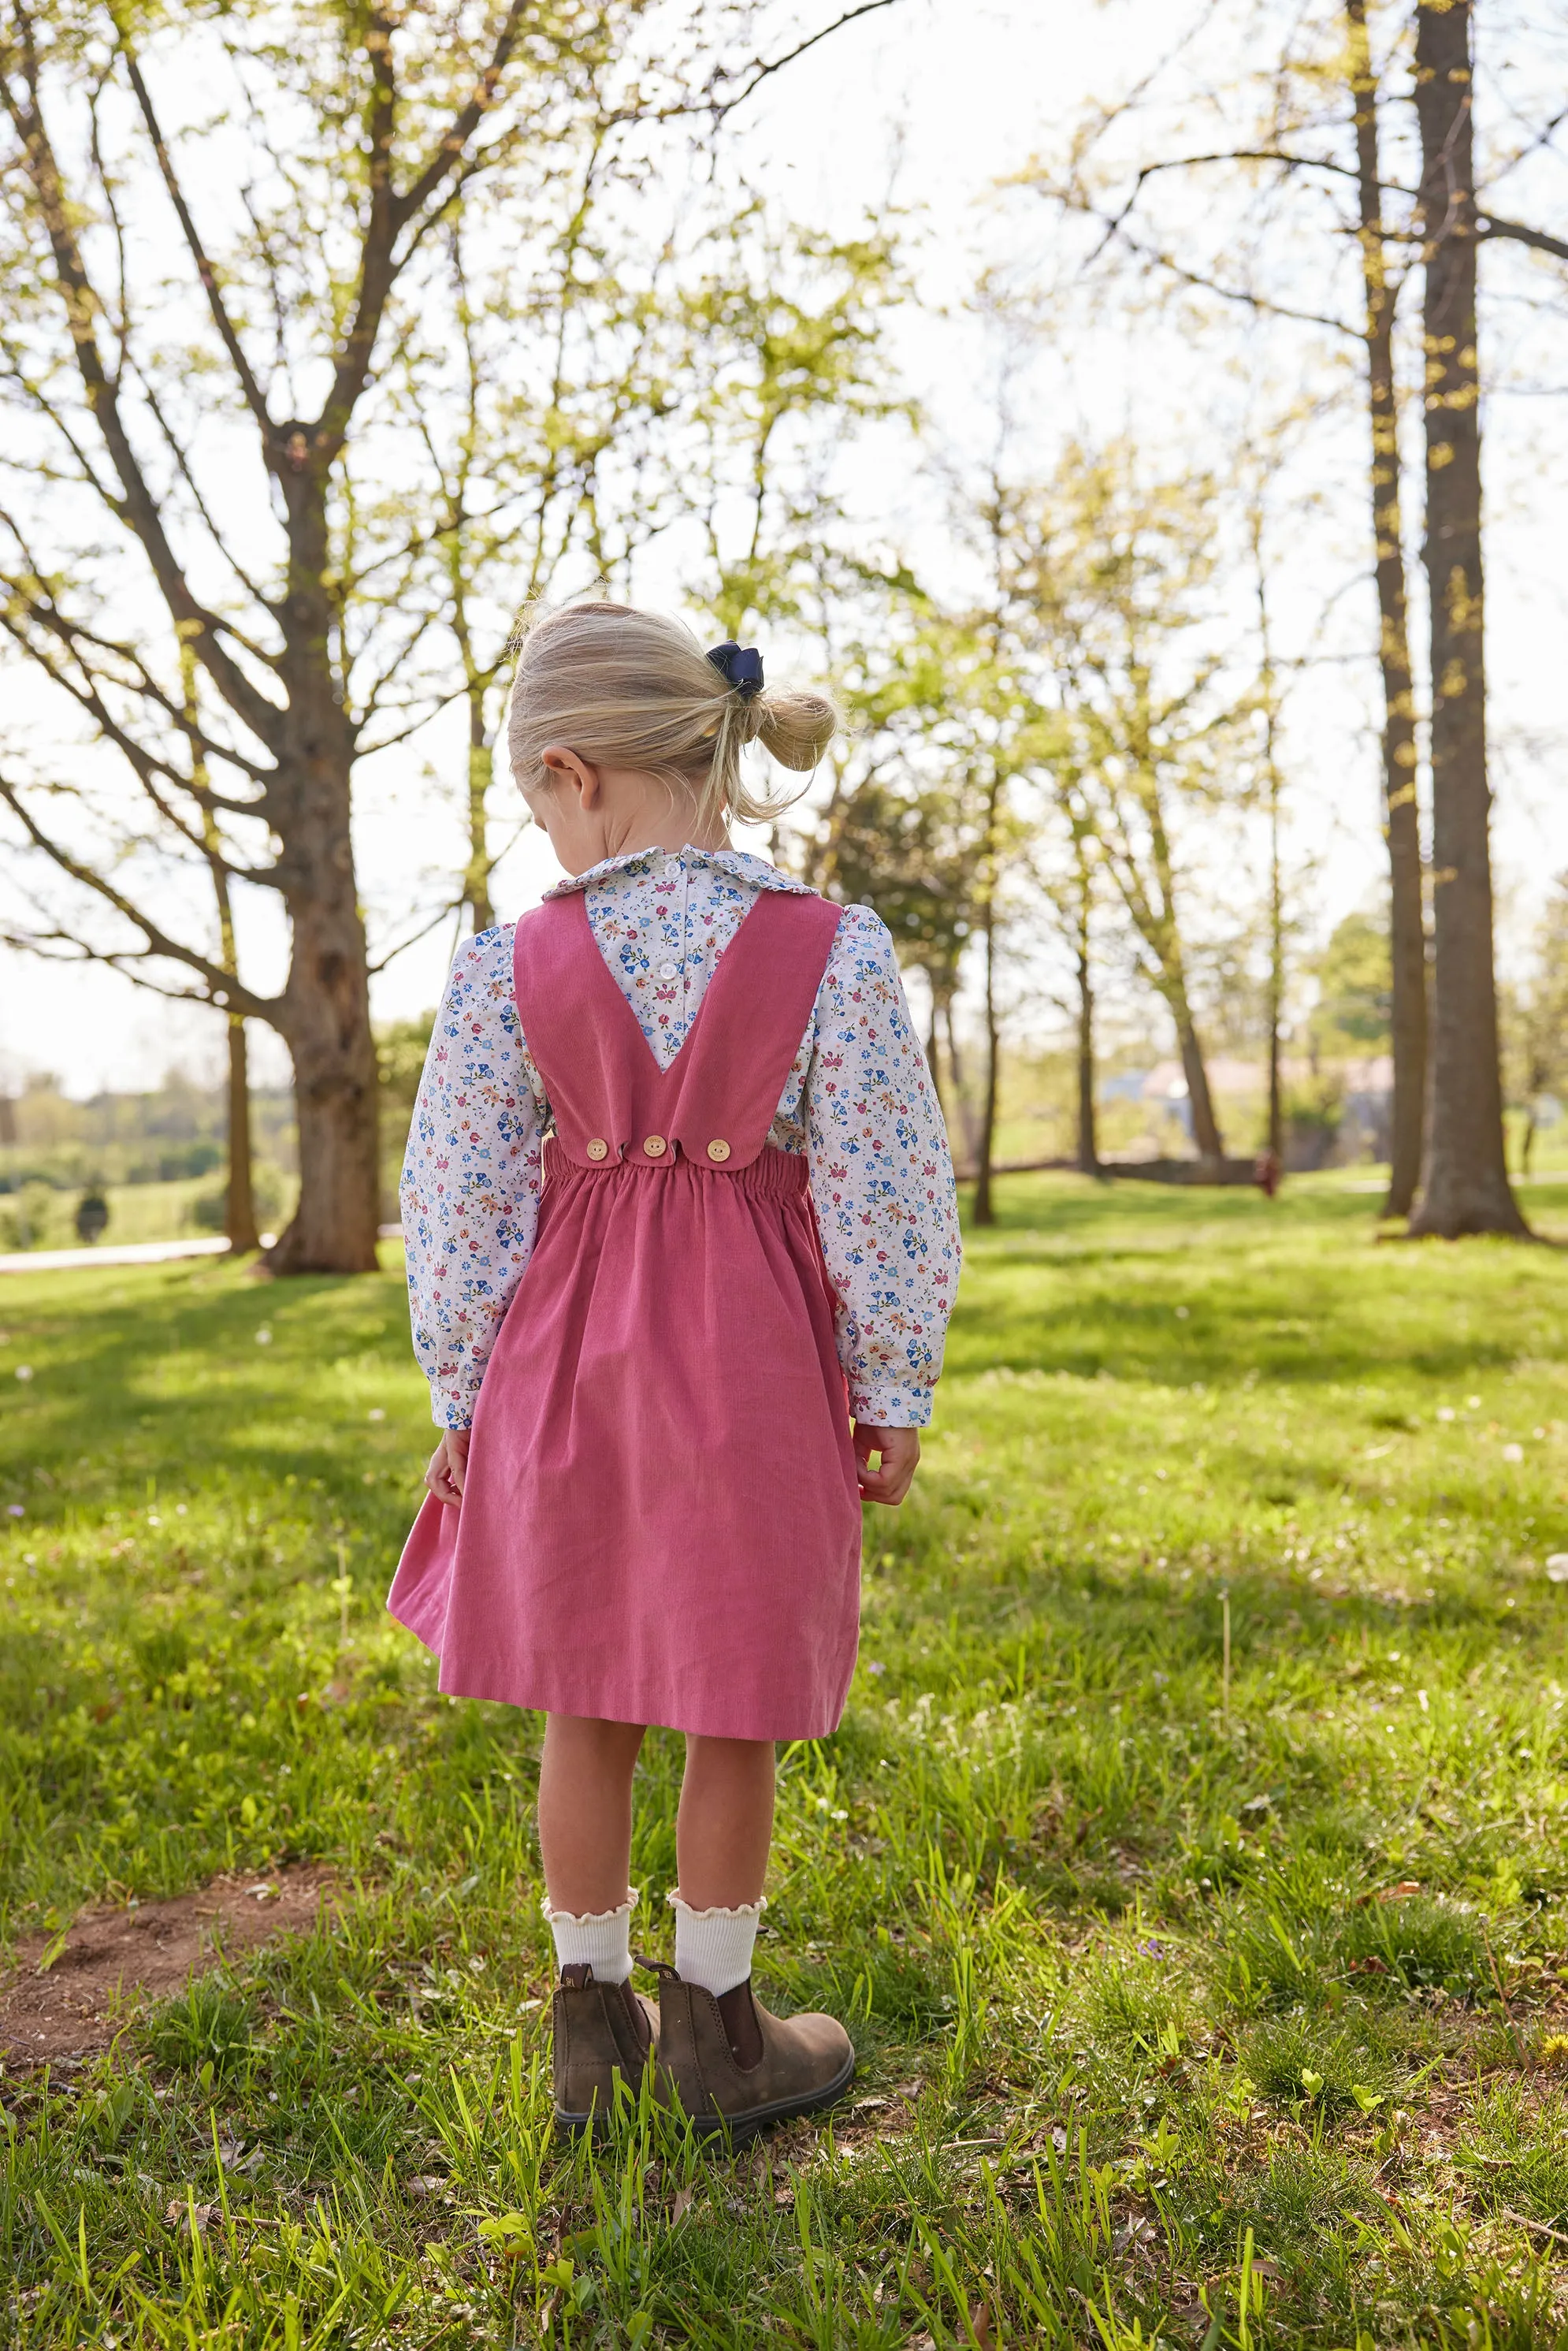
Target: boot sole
738,2128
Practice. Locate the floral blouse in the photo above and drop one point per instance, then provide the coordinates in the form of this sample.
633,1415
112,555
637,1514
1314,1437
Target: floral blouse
858,1102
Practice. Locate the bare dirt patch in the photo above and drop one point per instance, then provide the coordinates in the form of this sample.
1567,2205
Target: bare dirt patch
112,1963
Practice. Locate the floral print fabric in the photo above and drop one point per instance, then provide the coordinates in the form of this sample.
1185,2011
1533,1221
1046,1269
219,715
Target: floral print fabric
858,1102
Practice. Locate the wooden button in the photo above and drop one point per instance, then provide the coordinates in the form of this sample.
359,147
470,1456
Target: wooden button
655,1146
718,1148
598,1149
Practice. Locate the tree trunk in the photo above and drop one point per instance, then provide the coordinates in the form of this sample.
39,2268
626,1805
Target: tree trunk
969,1131
1088,1137
984,1208
1401,822
1206,1132
1276,1092
477,880
1464,1181
933,1050
239,1209
324,1008
1151,903
1275,1144
327,1007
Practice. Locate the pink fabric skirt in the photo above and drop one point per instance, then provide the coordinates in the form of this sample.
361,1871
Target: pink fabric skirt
660,1522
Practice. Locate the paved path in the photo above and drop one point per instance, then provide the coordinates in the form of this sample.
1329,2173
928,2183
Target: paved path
132,1253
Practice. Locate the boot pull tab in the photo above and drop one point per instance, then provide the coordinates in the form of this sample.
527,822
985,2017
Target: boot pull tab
654,1966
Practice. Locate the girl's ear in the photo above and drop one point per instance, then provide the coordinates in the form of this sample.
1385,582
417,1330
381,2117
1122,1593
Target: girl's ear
566,768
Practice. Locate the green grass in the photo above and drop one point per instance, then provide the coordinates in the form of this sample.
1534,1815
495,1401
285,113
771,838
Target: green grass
1155,2061
137,1212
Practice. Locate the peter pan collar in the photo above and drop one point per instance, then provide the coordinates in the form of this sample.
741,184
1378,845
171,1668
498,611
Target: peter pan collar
737,862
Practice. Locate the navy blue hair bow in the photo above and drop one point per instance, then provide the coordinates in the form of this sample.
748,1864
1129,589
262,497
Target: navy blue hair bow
740,666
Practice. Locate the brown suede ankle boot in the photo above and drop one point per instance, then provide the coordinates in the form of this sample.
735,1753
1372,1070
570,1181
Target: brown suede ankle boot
735,2067
602,2032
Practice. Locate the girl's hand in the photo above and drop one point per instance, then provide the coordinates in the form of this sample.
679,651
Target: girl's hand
448,1467
899,1449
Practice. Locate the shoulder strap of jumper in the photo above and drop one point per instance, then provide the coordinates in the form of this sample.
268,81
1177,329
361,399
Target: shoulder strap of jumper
748,1028
723,1086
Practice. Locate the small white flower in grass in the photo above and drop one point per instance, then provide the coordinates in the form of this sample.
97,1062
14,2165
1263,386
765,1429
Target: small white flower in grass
24,1371
376,1413
264,1337
1557,1567
1513,1452
1421,1701
876,1666
1472,1404
1445,1412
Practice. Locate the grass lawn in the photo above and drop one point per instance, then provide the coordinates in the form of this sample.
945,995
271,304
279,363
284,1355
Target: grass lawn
1203,2007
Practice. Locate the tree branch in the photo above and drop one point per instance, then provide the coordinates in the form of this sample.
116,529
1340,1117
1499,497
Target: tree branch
227,332
442,915
760,71
138,508
464,124
37,604
391,213
159,943
43,945
176,450
1488,227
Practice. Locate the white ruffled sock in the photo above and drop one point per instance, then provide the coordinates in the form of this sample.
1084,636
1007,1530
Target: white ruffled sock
714,1948
601,1937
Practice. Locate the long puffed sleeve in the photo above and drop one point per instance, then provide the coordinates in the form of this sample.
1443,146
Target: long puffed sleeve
470,1188
881,1178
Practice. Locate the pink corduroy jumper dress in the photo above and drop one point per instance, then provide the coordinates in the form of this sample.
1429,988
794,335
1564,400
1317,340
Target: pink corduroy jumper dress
661,1517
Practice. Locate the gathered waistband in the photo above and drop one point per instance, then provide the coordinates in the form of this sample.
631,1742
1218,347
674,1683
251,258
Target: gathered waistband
773,1175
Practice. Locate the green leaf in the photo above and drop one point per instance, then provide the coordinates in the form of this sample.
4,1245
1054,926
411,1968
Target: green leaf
1311,2082
506,2224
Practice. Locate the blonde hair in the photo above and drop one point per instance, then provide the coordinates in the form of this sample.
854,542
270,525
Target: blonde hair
629,689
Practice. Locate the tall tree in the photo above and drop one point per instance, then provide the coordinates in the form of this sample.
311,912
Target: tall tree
919,823
1464,1178
1071,894
1109,580
1269,181
171,429
209,451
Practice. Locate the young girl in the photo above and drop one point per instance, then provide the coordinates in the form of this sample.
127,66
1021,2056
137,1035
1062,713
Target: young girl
644,1348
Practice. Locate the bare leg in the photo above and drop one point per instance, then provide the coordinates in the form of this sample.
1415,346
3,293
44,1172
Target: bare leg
585,1811
726,1821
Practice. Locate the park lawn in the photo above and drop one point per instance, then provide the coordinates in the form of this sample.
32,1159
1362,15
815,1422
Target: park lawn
1192,2007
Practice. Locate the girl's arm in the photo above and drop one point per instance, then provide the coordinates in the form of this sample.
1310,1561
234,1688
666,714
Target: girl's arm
470,1185
882,1178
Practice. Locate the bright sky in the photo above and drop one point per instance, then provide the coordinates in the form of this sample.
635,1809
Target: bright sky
937,100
